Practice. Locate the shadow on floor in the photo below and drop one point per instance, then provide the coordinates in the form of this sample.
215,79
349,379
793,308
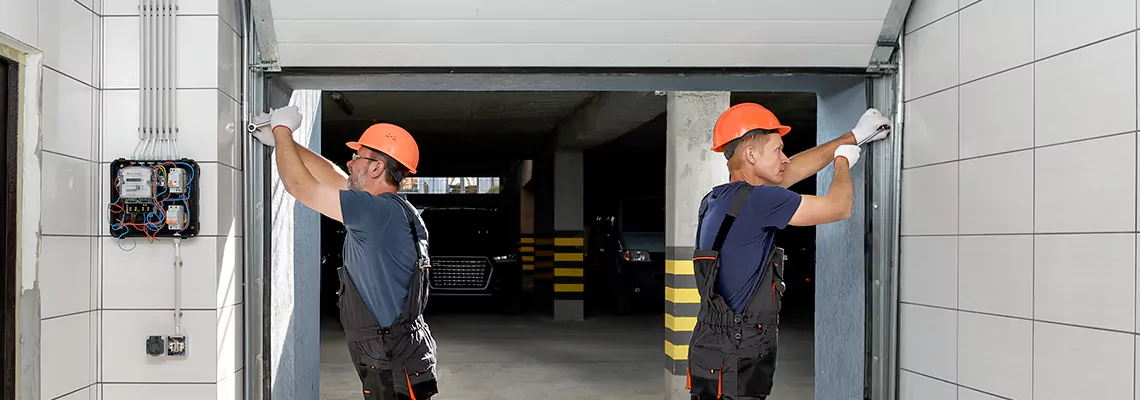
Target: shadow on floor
489,356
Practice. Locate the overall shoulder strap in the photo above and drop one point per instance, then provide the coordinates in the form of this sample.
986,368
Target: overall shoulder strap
412,224
738,200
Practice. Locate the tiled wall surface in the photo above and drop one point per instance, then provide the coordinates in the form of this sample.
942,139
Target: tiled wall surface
1019,201
99,302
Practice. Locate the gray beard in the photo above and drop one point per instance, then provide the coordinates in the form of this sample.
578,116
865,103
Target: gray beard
354,182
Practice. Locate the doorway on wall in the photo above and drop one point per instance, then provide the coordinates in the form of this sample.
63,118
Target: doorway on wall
8,123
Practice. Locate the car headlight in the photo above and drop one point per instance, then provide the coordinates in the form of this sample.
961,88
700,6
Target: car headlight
506,258
636,255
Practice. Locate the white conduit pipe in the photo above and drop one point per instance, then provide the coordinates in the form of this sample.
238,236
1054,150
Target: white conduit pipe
174,78
144,75
148,19
161,63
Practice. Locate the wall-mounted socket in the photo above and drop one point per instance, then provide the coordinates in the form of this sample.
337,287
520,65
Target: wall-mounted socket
155,345
176,345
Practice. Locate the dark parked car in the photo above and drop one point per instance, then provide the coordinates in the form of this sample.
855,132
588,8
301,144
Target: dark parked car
472,255
632,265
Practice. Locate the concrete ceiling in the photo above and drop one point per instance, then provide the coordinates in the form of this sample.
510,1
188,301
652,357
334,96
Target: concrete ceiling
452,113
579,33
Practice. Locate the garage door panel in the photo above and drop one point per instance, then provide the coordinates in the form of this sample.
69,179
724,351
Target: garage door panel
573,55
582,9
576,31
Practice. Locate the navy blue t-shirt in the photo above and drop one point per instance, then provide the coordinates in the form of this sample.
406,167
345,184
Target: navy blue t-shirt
742,255
379,253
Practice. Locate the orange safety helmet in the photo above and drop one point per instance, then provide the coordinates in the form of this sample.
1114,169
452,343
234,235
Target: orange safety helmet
391,140
742,118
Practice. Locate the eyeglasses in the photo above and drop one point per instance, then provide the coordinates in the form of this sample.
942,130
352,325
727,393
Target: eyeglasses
357,156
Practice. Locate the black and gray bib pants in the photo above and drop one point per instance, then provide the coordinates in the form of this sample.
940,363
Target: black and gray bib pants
395,362
733,356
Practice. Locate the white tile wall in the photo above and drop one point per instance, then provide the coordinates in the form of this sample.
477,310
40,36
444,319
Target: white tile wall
65,37
69,354
996,35
932,129
1042,208
1095,85
1078,275
20,20
91,348
929,205
932,58
996,272
67,276
995,354
1054,31
929,341
1071,362
913,386
68,107
929,271
996,194
996,114
1103,169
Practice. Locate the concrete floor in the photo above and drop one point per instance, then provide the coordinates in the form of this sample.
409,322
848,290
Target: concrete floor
491,356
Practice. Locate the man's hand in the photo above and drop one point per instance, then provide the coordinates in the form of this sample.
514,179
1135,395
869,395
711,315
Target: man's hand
264,134
872,126
850,152
287,117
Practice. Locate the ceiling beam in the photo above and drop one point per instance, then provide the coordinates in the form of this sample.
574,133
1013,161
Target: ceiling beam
357,79
607,117
888,42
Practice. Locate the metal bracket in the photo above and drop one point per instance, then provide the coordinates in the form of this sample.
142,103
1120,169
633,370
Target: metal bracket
266,66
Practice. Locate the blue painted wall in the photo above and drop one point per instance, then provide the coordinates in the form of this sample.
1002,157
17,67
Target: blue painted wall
839,252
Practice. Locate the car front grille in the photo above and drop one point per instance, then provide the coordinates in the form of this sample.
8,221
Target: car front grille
460,273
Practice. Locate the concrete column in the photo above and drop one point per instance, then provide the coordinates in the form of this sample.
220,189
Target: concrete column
569,282
543,189
526,226
691,170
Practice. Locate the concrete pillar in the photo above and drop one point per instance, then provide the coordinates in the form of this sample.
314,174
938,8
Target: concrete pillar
526,226
569,275
691,170
542,181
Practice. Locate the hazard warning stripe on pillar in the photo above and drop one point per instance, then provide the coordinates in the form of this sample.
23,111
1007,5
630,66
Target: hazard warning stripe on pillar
543,257
682,303
569,271
526,253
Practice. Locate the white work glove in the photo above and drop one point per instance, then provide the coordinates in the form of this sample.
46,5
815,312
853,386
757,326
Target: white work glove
850,152
288,117
263,134
872,126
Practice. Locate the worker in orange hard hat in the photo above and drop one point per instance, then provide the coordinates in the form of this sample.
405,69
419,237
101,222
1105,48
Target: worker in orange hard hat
384,278
732,351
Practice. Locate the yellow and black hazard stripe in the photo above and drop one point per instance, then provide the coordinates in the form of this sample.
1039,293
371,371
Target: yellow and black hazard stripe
544,258
569,271
526,255
682,303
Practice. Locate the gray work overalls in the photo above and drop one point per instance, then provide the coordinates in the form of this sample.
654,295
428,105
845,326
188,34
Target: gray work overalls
397,361
733,356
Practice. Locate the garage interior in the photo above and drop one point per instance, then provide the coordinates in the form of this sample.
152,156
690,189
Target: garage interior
498,336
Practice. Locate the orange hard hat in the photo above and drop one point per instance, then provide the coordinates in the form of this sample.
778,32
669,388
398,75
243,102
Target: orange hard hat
742,118
391,140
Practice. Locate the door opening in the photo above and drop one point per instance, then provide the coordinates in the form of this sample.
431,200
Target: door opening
8,123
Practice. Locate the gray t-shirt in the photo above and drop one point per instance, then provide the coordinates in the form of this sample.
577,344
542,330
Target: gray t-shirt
379,253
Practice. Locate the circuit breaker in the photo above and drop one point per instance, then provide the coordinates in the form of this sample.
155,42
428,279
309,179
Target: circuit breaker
154,198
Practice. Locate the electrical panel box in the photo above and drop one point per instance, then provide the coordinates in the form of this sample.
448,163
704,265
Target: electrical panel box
154,198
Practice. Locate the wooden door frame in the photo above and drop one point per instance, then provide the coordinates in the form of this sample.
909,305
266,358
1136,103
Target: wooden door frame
10,151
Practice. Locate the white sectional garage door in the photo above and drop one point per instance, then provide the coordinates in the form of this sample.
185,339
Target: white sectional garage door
579,33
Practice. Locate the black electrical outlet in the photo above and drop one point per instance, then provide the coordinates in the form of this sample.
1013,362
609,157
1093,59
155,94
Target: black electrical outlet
176,345
154,198
154,345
